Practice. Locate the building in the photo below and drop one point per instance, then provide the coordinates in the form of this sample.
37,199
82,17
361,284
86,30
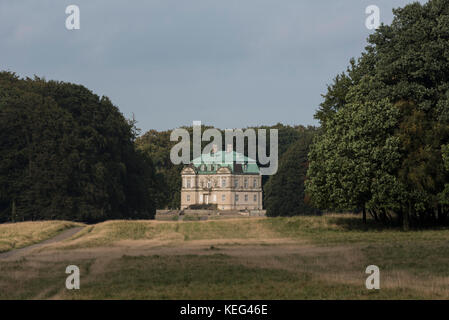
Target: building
228,179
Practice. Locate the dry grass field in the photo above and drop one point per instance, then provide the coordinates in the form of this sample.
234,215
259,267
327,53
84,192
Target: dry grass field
262,258
18,235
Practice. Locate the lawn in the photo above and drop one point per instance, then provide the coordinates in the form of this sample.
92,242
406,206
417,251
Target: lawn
262,258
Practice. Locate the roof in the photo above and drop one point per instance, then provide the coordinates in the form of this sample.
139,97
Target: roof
238,163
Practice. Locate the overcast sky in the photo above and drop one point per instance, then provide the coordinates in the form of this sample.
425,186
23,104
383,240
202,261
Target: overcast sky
228,63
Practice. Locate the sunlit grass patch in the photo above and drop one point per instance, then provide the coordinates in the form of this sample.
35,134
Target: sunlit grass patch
22,234
111,232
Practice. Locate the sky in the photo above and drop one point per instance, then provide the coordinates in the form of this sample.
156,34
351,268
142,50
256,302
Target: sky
229,64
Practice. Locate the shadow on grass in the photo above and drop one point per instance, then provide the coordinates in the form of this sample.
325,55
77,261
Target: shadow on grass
355,223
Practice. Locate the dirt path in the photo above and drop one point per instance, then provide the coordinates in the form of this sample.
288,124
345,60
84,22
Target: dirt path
23,251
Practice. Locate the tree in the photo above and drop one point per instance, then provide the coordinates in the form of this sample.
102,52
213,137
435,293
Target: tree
381,140
157,145
68,154
284,191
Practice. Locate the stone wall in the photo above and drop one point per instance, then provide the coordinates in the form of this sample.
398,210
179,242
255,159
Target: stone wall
188,214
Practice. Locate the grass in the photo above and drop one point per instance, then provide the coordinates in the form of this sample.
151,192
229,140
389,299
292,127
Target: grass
273,258
325,230
18,235
110,232
210,277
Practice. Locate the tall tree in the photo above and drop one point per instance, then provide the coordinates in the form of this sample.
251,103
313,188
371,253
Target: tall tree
382,138
68,154
284,191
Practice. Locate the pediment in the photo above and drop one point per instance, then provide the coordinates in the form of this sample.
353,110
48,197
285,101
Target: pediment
224,170
188,171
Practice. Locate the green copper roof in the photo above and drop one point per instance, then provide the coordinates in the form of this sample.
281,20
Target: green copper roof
209,163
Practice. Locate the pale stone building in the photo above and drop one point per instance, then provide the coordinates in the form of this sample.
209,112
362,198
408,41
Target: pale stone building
228,179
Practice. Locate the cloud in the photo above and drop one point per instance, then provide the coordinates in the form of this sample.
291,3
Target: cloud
228,63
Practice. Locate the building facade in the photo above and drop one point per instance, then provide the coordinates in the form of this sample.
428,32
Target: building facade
227,179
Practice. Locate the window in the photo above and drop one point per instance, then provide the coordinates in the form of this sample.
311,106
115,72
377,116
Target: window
246,183
214,198
188,198
246,198
209,184
236,183
223,182
188,182
236,197
255,198
223,197
255,183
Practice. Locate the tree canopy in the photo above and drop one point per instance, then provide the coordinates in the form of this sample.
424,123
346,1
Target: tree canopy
284,192
157,145
68,154
385,122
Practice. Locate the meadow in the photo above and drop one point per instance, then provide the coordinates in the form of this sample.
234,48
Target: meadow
19,235
319,257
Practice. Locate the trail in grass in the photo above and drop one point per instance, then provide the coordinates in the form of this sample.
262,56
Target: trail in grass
23,251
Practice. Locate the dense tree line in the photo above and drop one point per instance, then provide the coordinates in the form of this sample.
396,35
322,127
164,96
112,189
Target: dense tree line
157,145
284,192
383,146
68,154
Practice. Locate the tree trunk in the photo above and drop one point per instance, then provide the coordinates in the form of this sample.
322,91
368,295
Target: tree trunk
364,214
406,218
13,211
374,214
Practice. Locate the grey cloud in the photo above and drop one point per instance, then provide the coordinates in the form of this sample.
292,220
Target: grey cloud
228,63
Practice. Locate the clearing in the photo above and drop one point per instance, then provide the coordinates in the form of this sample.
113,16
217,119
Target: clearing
320,257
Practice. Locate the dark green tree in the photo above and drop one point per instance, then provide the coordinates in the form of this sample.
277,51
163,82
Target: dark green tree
384,123
285,191
68,154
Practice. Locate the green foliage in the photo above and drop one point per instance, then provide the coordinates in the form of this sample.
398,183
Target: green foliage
284,191
384,123
157,145
68,154
443,196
